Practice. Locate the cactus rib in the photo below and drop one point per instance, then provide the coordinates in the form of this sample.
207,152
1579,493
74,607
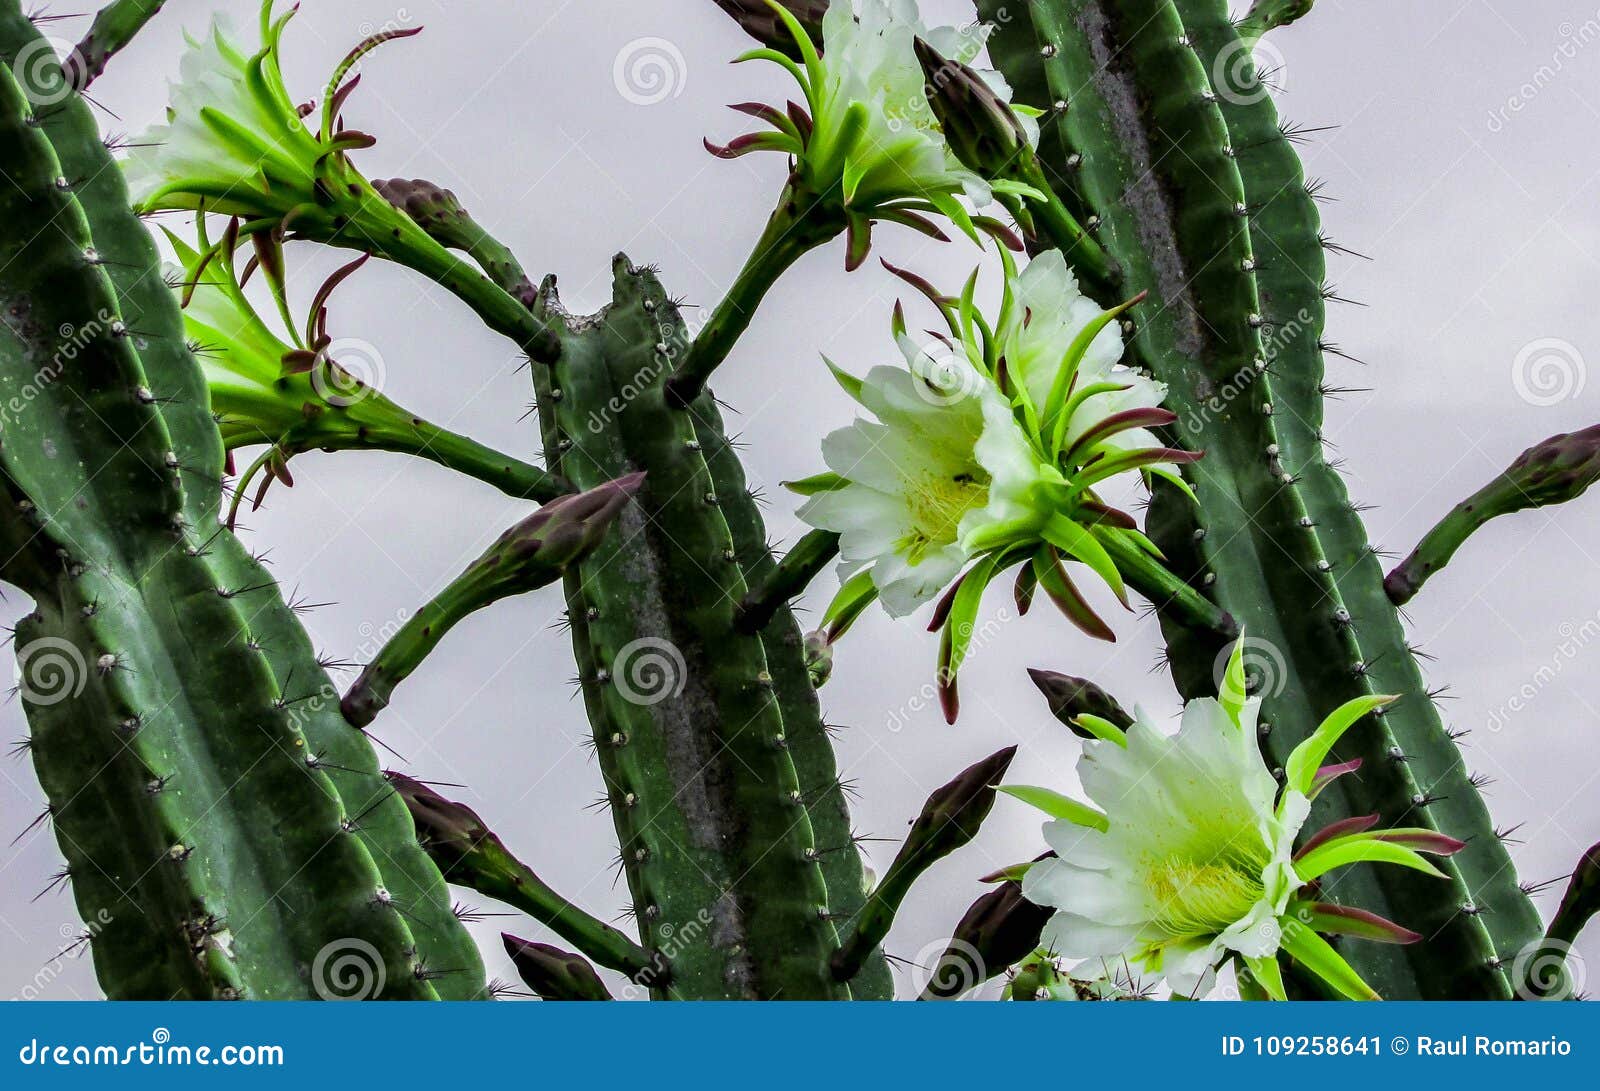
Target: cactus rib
810,555
665,588
205,717
175,389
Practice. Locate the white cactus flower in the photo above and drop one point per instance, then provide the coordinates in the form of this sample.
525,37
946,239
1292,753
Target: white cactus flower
986,450
867,138
1186,857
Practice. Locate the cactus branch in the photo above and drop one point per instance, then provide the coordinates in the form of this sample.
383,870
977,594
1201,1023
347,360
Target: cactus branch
530,555
801,223
810,555
471,855
1264,15
1553,471
113,28
949,820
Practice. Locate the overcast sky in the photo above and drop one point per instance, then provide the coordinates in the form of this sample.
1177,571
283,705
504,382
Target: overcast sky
1463,165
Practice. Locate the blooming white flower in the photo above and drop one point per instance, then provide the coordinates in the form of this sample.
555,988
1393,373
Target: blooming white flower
986,450
867,139
1188,858
926,478
231,130
290,393
235,142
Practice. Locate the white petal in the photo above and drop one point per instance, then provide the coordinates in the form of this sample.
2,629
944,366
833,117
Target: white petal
1071,936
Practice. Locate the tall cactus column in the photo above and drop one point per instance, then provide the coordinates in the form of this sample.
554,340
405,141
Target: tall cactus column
431,951
698,736
1160,129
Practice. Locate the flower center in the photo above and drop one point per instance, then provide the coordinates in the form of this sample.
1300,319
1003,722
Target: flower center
936,504
1196,898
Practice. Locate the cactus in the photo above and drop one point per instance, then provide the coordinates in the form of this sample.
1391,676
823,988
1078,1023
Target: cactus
1201,202
219,805
204,747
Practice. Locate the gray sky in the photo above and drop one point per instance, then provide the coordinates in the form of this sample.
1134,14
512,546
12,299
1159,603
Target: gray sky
1463,165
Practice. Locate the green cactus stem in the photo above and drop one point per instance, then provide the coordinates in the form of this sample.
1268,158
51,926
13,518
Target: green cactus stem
996,932
554,974
801,223
1542,967
1199,198
175,387
698,753
1264,15
949,820
471,855
1071,697
810,555
113,28
215,751
1552,471
438,212
535,552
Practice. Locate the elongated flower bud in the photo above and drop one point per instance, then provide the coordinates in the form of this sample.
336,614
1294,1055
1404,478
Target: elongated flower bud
763,24
982,130
552,973
1071,697
1552,471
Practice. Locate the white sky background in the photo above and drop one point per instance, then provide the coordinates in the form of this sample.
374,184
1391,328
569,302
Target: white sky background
1480,218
